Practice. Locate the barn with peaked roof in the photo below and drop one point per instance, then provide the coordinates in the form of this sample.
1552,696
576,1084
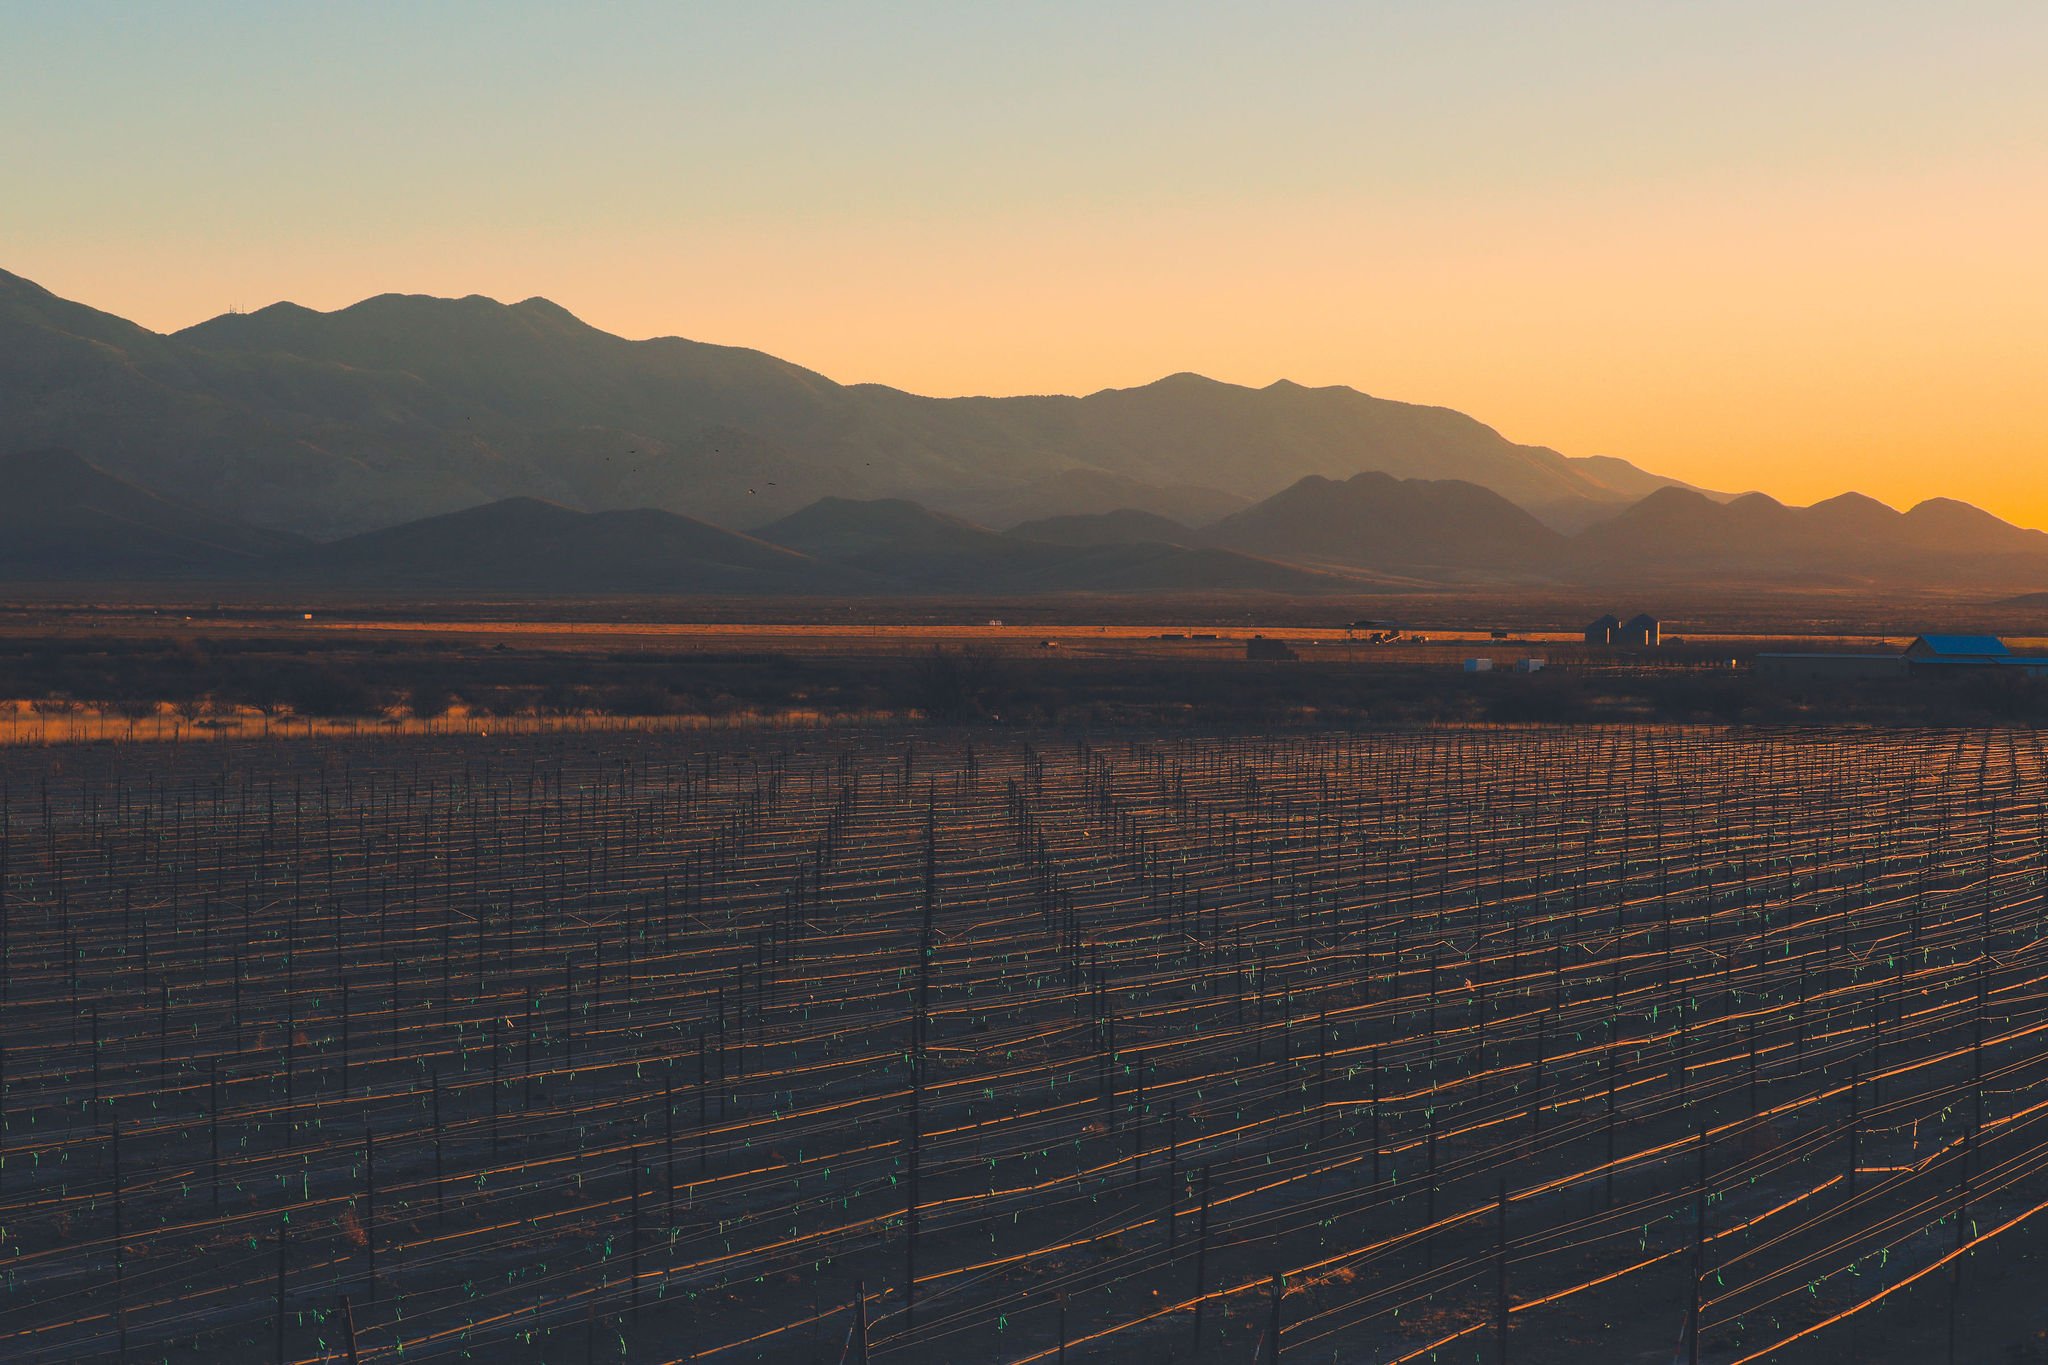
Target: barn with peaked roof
1966,649
1643,629
1928,656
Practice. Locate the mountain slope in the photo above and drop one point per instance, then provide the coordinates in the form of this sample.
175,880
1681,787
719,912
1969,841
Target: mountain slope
525,545
62,517
1375,521
1124,526
916,548
1849,539
402,406
405,407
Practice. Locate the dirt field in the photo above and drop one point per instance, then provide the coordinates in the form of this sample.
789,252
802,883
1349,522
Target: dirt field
191,669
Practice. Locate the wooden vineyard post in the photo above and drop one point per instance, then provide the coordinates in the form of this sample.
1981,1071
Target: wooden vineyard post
1322,1076
348,1331
1500,1276
1202,1260
370,1210
283,1242
1955,1267
497,1047
1855,1125
1377,1148
291,1035
1273,1322
440,1171
910,1200
633,1219
1138,1129
1752,1064
1172,1176
1699,1254
213,1128
1429,1193
1613,1060
703,1103
120,1245
344,1037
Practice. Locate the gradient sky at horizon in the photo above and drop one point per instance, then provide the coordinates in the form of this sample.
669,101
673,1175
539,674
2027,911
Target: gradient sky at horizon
1789,247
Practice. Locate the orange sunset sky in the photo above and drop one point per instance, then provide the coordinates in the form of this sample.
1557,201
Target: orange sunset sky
1795,248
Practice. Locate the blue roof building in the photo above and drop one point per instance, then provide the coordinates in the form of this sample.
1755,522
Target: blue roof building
1958,648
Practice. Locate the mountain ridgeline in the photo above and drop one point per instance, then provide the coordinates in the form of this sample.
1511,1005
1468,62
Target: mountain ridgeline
469,445
402,406
68,519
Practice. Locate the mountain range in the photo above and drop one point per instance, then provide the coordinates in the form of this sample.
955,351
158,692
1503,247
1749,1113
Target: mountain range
472,445
404,406
68,519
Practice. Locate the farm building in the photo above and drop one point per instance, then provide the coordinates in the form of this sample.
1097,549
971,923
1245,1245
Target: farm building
1603,631
1958,649
1479,665
1926,656
1935,655
1644,630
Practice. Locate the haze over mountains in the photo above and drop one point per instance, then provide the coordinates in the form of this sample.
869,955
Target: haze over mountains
468,444
403,406
62,518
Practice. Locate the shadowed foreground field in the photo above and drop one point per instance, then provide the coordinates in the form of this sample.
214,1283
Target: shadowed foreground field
672,1047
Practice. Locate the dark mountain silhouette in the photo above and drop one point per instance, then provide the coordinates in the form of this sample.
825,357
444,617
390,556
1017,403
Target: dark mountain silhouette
920,549
1083,492
62,517
849,530
1440,527
402,406
1846,539
407,407
1155,568
1125,526
526,545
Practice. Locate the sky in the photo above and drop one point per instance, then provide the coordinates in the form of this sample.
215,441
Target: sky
1800,246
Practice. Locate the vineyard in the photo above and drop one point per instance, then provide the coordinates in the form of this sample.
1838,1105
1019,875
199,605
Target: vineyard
1454,1044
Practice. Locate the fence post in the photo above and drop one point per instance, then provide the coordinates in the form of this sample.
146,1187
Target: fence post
1500,1277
